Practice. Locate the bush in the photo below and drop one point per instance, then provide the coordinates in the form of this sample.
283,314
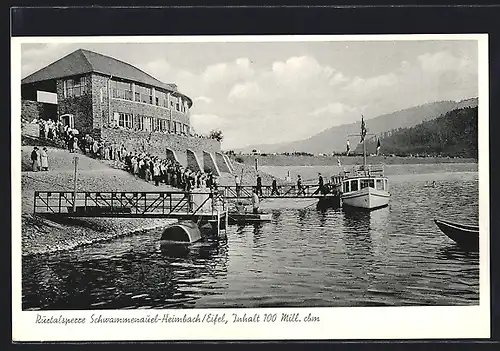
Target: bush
239,160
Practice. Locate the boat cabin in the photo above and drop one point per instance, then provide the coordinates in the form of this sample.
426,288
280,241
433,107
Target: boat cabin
360,177
355,184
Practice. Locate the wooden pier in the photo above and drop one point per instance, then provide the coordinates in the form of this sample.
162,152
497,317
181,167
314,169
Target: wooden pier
283,191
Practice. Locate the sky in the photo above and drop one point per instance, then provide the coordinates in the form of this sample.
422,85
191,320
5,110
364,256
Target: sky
273,92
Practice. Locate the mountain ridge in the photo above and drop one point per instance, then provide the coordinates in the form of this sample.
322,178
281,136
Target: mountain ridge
334,139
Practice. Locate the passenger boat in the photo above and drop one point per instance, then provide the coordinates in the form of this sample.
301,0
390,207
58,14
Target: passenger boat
365,186
465,235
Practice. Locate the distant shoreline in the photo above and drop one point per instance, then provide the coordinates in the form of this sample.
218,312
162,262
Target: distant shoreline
283,160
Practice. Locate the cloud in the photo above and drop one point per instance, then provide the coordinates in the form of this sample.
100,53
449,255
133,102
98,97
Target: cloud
204,99
363,86
444,61
244,91
228,72
158,68
300,69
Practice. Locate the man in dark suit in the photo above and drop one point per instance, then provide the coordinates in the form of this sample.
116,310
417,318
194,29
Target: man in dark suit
320,185
259,185
274,188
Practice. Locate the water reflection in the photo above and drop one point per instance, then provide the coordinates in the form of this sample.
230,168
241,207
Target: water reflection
357,234
175,250
257,233
175,275
455,252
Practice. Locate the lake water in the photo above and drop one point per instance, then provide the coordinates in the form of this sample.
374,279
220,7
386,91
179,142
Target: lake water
304,257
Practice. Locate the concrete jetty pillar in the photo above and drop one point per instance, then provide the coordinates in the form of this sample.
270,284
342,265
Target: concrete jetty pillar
229,163
193,163
222,163
209,164
171,155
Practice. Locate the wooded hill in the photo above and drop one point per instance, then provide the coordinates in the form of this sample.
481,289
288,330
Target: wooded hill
452,134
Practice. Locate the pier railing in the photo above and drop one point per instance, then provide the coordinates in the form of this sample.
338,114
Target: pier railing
129,204
281,191
368,170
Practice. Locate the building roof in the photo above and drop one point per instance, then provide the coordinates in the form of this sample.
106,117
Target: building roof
84,61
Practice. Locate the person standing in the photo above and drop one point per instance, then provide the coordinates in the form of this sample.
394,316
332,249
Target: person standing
255,202
237,182
259,185
320,185
300,189
156,173
44,159
34,159
95,148
75,143
274,188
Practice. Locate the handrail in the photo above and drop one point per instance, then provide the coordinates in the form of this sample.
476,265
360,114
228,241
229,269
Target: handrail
163,202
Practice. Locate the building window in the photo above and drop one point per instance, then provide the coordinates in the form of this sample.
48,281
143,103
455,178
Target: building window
141,123
146,123
121,90
125,120
143,94
161,99
163,125
75,87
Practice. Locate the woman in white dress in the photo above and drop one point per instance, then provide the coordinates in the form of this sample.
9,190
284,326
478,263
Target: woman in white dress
44,159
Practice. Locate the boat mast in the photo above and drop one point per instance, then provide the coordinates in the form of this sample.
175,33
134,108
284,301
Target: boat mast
364,154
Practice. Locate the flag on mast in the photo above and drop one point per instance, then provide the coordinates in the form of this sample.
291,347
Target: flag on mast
363,129
348,148
378,145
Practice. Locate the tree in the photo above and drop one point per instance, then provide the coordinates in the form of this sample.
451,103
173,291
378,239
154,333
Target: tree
217,135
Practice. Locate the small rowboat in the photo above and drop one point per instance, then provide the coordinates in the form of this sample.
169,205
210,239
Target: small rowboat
249,218
466,236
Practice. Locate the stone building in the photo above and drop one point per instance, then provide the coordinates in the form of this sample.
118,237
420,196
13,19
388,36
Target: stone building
93,91
115,102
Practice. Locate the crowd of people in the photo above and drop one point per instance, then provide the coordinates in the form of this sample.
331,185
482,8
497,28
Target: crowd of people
58,132
167,171
141,164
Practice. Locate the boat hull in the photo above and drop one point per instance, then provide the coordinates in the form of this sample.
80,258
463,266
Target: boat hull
248,218
367,198
466,236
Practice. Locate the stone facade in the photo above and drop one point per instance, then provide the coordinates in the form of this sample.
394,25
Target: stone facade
221,163
193,161
95,110
78,106
30,110
209,163
157,143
